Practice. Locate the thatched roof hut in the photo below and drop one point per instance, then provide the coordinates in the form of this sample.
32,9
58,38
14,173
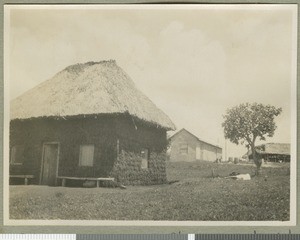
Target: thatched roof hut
88,121
88,89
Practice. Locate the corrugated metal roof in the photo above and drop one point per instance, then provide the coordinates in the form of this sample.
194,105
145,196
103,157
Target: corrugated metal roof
273,148
183,129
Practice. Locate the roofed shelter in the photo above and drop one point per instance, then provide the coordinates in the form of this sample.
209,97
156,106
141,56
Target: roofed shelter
89,120
273,152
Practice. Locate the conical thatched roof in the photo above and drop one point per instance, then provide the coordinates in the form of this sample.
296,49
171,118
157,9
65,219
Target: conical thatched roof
87,89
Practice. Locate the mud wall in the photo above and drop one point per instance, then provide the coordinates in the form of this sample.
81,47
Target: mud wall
70,134
118,141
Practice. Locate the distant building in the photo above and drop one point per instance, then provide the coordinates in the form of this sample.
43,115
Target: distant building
185,146
273,152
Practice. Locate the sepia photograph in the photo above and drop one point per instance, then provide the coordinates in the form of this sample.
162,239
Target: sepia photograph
150,114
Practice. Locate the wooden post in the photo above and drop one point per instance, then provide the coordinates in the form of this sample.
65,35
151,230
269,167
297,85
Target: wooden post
98,183
26,181
213,173
118,148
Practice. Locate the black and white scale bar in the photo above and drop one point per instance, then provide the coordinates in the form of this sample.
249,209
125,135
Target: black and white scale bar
37,236
150,237
134,237
247,236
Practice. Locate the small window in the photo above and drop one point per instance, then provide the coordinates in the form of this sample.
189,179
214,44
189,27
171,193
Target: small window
86,156
145,158
17,155
184,149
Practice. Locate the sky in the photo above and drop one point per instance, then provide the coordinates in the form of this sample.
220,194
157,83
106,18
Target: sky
192,62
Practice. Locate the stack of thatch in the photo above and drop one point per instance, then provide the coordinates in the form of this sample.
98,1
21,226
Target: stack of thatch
127,169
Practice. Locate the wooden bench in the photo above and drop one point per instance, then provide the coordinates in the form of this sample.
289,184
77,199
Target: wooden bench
26,177
84,179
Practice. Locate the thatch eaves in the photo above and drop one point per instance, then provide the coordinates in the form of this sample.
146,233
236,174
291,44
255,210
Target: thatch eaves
88,89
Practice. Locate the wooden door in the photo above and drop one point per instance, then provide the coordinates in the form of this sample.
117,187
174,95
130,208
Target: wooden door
49,164
198,152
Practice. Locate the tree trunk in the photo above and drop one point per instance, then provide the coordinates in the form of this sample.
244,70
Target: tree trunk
256,159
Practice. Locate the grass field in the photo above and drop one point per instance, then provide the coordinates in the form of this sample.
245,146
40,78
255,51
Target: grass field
194,195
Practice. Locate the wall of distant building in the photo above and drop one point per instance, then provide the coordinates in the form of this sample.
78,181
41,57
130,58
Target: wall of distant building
185,147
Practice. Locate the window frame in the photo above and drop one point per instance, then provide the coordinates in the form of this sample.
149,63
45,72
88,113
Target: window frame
145,161
81,159
17,148
184,150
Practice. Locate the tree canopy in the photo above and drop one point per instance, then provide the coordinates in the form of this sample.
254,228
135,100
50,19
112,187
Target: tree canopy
247,122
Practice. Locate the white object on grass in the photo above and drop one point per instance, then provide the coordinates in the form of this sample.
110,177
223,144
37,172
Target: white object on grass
243,177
